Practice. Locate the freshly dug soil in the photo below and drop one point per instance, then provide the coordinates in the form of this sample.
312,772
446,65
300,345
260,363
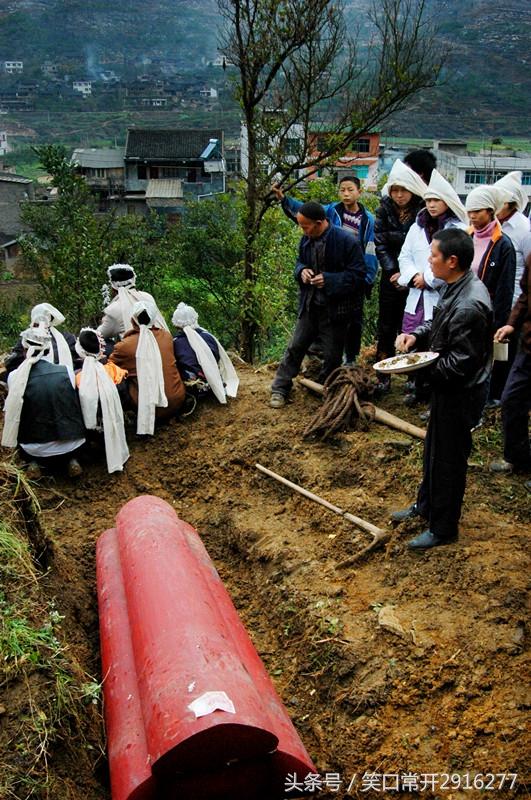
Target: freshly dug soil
402,663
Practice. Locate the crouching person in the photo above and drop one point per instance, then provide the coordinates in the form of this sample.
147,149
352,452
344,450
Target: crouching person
99,398
42,414
201,359
460,332
146,352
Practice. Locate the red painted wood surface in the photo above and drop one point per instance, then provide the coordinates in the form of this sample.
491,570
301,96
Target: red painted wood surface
175,636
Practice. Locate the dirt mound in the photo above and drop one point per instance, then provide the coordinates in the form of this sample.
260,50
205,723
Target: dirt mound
404,664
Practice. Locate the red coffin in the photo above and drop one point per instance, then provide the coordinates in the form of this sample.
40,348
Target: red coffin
170,636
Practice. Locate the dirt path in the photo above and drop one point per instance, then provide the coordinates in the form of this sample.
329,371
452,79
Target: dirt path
444,692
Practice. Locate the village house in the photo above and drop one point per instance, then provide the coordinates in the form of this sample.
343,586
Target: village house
13,67
465,170
14,190
287,148
4,146
104,171
163,168
360,159
208,93
83,87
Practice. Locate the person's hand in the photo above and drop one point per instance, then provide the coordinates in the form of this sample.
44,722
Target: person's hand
503,333
404,342
418,281
277,191
306,275
318,280
394,278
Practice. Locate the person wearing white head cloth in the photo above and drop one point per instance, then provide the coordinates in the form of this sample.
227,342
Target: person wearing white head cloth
146,352
402,175
62,349
495,264
395,216
42,413
99,399
198,353
494,254
513,222
443,210
117,314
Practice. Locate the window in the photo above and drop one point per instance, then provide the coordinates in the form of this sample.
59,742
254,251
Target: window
483,175
292,147
363,145
141,172
362,171
322,143
154,172
170,172
526,178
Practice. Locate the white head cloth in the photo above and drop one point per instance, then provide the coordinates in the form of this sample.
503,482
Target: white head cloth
485,196
128,296
512,190
222,379
402,175
95,386
150,376
48,316
36,341
440,189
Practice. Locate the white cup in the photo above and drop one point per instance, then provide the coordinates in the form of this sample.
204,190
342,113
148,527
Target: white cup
501,351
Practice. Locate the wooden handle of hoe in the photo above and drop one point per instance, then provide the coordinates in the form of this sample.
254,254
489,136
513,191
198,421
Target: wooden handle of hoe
361,523
379,414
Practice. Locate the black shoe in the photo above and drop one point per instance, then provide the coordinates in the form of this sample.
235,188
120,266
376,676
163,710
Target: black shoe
384,384
407,513
411,399
427,539
493,404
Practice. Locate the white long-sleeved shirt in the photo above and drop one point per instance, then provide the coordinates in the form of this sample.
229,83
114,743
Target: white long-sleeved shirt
413,260
517,228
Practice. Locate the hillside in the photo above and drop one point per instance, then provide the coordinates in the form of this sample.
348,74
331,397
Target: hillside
486,82
402,663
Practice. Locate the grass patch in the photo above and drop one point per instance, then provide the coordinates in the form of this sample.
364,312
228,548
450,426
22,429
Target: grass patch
47,700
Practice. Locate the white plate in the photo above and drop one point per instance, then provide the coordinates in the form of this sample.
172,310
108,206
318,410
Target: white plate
406,362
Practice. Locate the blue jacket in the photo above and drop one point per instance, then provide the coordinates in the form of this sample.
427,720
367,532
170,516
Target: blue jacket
344,272
334,212
185,357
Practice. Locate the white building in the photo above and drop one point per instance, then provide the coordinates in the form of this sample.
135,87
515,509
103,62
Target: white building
83,87
467,170
4,147
293,145
13,67
209,93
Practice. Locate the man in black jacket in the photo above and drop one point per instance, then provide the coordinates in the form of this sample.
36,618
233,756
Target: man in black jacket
461,332
330,271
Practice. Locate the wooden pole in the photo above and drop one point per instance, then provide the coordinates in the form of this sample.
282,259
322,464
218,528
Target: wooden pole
379,536
379,414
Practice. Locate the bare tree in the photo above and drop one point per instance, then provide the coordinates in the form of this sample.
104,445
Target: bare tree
299,66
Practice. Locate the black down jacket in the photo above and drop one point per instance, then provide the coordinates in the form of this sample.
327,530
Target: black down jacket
390,233
461,331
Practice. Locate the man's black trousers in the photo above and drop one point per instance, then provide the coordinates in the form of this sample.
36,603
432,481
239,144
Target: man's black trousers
392,303
446,450
313,323
516,404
